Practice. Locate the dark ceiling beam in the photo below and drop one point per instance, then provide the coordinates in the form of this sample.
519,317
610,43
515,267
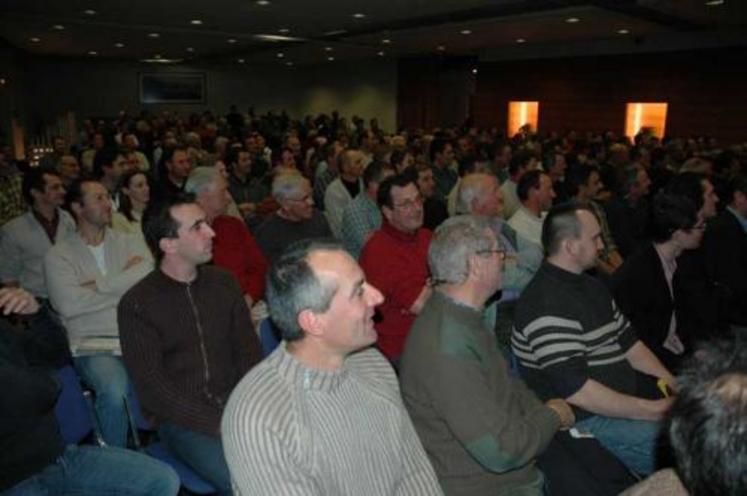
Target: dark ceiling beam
649,14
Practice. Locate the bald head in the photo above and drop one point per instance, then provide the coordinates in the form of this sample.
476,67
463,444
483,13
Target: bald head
480,194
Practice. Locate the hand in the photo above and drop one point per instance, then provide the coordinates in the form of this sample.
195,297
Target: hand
17,300
564,411
133,261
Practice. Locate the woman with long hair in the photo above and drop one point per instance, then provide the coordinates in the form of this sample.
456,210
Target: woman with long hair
135,194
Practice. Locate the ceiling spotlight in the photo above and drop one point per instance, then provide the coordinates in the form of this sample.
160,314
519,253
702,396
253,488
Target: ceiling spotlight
89,12
331,59
284,30
262,3
280,55
441,48
289,63
119,45
474,71
359,15
465,31
58,27
93,53
713,3
622,31
572,20
328,49
35,39
154,35
241,61
231,40
196,22
386,41
2,81
190,49
520,40
380,54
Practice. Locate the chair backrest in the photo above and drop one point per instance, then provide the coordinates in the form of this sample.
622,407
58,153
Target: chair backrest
72,410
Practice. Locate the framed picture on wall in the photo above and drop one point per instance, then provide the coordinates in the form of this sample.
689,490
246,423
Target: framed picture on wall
172,87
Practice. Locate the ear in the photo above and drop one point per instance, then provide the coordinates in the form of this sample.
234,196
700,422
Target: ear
570,246
388,212
310,322
167,245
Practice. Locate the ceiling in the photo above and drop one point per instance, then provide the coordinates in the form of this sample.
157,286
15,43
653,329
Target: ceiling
318,31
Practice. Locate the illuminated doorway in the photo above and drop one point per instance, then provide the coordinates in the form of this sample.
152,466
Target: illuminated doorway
649,117
521,114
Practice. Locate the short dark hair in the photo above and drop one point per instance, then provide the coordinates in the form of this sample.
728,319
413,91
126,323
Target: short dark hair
74,193
737,183
158,223
529,181
397,157
34,179
232,155
708,421
562,223
169,151
689,184
292,286
518,160
578,176
384,196
670,213
438,146
104,158
375,172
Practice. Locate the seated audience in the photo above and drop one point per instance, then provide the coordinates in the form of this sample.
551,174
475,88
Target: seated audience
187,337
296,218
647,286
25,240
11,195
68,169
51,160
86,275
323,414
234,248
361,217
133,199
107,170
174,175
536,195
34,459
572,342
343,189
445,175
395,261
520,163
628,211
435,210
327,172
246,190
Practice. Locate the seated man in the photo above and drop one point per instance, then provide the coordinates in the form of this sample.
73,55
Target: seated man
25,240
86,275
34,459
395,260
572,342
343,189
481,428
234,248
187,337
296,218
535,194
361,217
323,414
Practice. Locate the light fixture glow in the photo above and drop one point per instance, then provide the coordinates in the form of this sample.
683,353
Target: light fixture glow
58,27
35,39
466,31
119,45
154,35
196,22
241,61
474,71
520,40
284,30
289,63
89,12
280,55
713,3
441,48
386,41
622,31
231,40
381,54
359,15
262,3
93,53
190,49
275,37
331,59
328,49
572,20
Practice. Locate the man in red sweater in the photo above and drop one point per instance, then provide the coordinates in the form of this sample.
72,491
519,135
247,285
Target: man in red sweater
395,260
234,248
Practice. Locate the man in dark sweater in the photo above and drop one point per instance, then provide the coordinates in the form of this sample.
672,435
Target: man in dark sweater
33,458
187,337
571,341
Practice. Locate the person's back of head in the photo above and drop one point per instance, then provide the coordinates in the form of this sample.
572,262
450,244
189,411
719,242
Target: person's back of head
528,182
708,421
670,213
562,223
104,158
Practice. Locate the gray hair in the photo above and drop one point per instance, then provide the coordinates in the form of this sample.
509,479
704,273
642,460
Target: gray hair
292,286
452,245
201,179
288,185
471,187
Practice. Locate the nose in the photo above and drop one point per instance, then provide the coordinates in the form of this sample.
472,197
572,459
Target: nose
209,231
375,297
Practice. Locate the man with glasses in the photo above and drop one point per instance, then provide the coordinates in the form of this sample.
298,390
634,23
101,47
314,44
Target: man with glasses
296,219
481,428
395,261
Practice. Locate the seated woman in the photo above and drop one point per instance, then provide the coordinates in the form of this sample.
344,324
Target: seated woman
133,200
646,285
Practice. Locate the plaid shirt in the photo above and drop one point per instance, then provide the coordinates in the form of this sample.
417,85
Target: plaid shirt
11,198
360,218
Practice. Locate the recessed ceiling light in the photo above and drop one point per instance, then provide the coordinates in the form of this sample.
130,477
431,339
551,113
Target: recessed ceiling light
334,32
465,31
520,40
153,35
119,45
34,39
262,3
386,41
58,27
284,30
196,22
331,59
713,3
441,48
622,31
190,49
231,40
474,71
289,63
359,15
328,49
276,37
280,55
93,53
89,12
381,54
572,20
241,61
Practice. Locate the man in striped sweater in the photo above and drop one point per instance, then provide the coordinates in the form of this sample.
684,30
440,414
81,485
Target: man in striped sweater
571,341
323,414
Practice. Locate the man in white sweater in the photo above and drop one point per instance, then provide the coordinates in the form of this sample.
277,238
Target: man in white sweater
323,414
86,276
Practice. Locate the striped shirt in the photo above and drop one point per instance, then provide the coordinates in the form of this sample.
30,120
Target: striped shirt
289,430
567,330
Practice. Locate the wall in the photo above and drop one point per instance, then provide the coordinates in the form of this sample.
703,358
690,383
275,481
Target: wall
103,88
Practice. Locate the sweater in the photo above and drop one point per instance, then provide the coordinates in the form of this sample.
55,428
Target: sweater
481,428
235,249
276,233
291,429
186,345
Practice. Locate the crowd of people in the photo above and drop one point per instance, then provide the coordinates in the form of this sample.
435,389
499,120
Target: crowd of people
457,311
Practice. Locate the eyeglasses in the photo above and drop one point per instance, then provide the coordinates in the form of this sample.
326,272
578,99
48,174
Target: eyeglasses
410,204
501,253
303,199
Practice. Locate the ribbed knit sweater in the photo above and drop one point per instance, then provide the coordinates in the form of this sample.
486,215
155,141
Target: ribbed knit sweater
186,345
289,429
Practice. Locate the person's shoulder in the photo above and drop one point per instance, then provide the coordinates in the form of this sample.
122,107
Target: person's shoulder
16,224
371,366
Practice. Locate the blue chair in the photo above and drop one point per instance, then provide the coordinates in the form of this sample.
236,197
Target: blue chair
74,409
190,480
267,336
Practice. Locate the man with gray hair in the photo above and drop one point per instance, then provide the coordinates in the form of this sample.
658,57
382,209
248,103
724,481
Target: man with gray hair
323,413
481,428
296,218
234,248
